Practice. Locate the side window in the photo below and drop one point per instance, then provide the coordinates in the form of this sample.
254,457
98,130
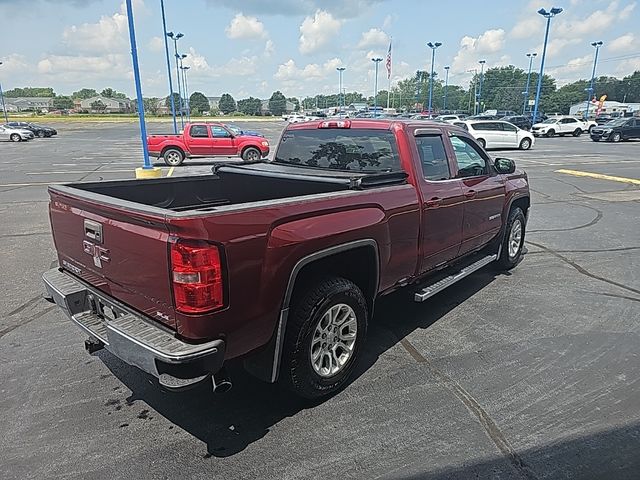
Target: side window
435,165
471,163
198,131
219,132
507,127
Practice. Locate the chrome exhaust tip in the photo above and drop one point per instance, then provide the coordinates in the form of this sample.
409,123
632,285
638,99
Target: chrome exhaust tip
221,382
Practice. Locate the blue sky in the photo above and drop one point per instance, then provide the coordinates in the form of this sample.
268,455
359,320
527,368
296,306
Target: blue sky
253,47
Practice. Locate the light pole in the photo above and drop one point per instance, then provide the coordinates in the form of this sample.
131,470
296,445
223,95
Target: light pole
166,51
4,107
186,90
376,60
526,88
340,72
147,168
183,92
548,15
590,90
472,89
481,62
433,47
175,37
446,85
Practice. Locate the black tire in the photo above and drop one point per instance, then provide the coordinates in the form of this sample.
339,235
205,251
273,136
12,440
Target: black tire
595,139
40,134
525,144
482,142
550,133
577,132
616,137
173,157
15,137
509,259
297,372
251,154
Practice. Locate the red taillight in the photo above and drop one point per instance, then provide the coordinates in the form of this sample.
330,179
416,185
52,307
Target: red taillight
196,276
335,124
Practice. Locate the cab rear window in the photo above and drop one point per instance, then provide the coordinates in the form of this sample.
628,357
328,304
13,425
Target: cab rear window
360,150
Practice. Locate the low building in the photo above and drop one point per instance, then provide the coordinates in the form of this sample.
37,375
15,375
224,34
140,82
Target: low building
100,104
29,104
264,108
608,107
214,103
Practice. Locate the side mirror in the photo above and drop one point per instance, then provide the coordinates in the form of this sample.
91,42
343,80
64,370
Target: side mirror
505,165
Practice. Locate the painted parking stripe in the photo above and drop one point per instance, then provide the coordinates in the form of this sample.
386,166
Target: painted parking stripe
599,176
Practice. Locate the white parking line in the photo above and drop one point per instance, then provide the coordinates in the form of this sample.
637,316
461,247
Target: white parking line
72,172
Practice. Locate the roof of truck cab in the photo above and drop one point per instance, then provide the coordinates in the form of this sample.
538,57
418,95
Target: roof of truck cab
371,123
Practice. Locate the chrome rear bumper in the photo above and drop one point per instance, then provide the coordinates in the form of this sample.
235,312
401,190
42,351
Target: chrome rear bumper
131,337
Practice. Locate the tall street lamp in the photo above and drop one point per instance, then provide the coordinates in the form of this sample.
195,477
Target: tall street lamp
446,86
4,107
186,90
481,62
183,92
531,56
175,37
433,47
590,90
548,15
473,89
376,60
166,51
340,72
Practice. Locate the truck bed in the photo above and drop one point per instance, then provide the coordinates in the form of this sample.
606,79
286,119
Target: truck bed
232,185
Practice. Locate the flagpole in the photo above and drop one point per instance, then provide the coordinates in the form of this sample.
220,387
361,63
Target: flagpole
389,70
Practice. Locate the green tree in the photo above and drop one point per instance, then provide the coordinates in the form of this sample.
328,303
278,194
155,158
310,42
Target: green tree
295,102
84,93
250,106
98,106
277,103
111,93
176,101
30,92
62,103
198,102
151,105
227,104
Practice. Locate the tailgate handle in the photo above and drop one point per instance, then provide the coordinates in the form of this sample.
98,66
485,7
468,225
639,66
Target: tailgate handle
93,230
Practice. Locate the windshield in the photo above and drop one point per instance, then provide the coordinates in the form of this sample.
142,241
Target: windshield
618,122
550,120
236,130
359,150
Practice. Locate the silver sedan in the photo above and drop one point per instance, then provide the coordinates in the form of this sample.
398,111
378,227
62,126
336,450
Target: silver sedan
15,134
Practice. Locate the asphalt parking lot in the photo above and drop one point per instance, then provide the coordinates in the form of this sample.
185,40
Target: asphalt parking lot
533,374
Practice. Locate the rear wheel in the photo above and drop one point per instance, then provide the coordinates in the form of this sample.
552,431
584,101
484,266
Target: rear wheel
482,143
525,144
595,139
40,134
577,132
173,157
15,137
513,241
551,133
251,155
616,137
325,332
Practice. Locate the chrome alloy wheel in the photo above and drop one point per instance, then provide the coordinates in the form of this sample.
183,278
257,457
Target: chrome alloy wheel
515,238
173,158
333,340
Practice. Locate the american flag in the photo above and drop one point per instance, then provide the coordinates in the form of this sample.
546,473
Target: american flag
389,61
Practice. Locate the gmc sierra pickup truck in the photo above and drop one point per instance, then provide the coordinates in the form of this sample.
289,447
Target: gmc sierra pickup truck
280,263
207,140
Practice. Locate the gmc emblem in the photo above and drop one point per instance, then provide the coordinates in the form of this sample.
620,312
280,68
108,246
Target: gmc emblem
98,253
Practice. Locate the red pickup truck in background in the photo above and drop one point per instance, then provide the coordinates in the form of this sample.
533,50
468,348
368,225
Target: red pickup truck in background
280,263
206,140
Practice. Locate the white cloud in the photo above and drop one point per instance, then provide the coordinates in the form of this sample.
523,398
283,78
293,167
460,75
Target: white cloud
245,65
107,35
389,20
527,27
373,38
14,63
242,26
317,31
156,44
68,67
473,49
623,43
289,71
557,46
268,48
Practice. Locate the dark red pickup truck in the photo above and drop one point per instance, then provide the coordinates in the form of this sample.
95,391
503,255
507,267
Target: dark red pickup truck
280,263
200,140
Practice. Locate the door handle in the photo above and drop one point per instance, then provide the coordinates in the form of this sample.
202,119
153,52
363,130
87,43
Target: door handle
434,202
470,193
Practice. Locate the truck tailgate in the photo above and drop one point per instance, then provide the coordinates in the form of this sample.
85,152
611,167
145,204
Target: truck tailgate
121,252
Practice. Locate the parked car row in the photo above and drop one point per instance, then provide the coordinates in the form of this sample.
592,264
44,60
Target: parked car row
23,131
497,134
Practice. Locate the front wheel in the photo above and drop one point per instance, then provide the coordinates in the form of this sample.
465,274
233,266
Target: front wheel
15,137
595,139
173,157
482,142
40,134
325,333
513,241
251,155
525,144
577,132
551,133
616,137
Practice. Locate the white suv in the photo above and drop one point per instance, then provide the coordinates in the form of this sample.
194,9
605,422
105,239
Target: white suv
498,134
562,126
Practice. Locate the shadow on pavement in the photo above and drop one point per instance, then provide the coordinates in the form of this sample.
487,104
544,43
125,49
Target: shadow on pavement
228,423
